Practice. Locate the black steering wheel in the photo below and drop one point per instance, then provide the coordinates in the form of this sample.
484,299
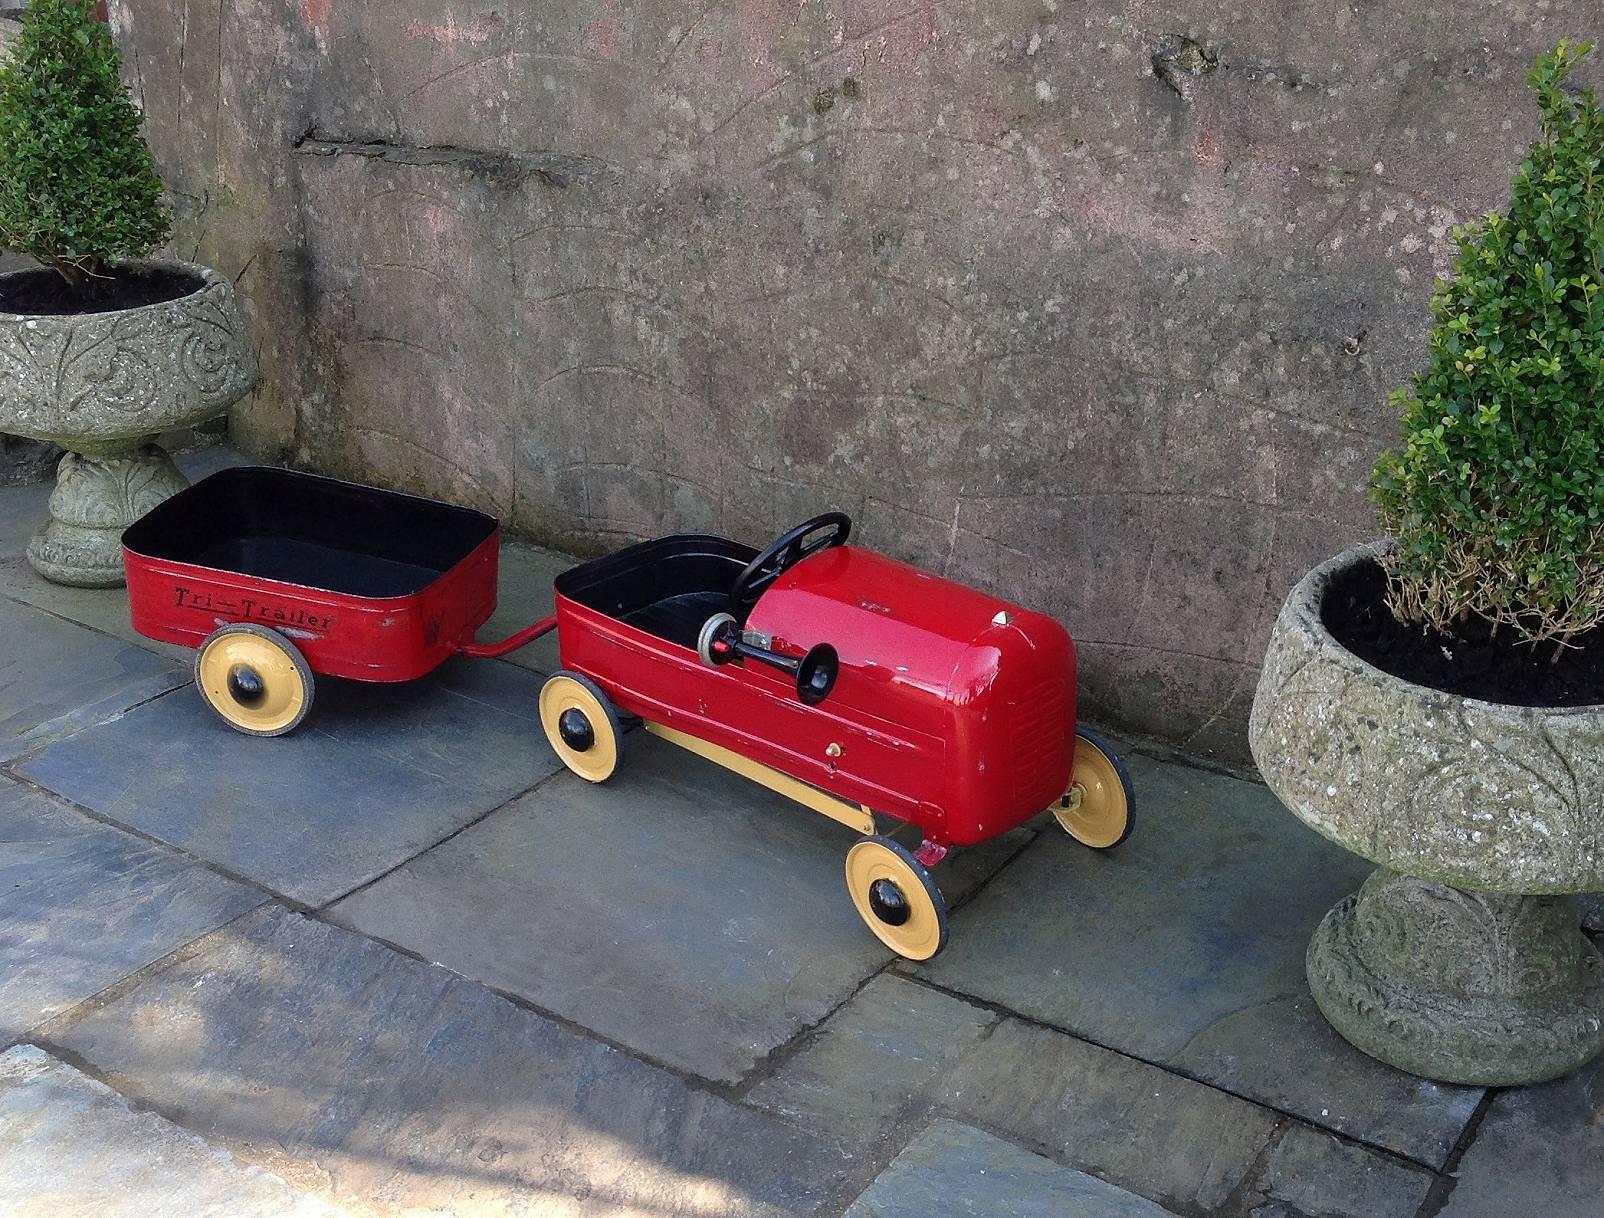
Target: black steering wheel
787,550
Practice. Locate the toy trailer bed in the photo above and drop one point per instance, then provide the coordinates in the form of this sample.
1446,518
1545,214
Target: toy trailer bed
275,575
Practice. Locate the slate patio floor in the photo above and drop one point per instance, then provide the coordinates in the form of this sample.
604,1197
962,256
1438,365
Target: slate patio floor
400,963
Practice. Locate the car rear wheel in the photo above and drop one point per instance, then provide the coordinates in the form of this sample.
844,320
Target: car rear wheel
581,726
896,898
255,679
1099,809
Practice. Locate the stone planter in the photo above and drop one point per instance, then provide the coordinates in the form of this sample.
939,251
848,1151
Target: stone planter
103,386
1460,959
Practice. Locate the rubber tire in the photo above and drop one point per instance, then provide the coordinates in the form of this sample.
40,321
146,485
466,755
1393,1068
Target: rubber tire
1124,776
290,650
938,902
612,724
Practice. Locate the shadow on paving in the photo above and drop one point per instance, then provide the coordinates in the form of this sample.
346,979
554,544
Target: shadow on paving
381,1082
79,1144
1540,1150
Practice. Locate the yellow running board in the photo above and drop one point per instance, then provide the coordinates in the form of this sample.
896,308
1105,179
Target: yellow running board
853,816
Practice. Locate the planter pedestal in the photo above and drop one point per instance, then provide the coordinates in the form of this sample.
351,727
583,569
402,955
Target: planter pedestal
1462,959
103,385
1471,988
95,499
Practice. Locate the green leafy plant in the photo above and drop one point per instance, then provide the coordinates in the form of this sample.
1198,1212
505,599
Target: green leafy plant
78,186
1496,498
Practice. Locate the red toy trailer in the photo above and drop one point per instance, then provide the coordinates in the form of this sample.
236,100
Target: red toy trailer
842,679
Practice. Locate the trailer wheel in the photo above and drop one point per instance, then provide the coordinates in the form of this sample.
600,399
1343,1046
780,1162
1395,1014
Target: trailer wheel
896,898
581,726
255,679
1099,809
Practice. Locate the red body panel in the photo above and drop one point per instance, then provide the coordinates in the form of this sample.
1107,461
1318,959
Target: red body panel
365,638
944,716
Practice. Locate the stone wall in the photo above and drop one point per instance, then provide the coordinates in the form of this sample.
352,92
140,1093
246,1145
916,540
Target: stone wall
1093,303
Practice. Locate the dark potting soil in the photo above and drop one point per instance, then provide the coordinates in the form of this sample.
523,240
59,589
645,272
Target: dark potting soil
46,293
1471,662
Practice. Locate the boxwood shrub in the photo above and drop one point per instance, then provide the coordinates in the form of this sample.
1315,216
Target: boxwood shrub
78,186
1496,496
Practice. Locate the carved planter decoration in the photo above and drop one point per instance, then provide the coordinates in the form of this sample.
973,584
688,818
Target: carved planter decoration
103,386
1461,959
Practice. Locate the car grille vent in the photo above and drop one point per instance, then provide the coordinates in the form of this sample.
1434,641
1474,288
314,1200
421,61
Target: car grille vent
1038,734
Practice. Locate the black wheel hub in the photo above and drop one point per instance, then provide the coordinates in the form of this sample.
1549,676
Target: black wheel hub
245,685
575,729
888,903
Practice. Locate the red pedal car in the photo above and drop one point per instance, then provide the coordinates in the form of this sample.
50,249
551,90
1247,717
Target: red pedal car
849,682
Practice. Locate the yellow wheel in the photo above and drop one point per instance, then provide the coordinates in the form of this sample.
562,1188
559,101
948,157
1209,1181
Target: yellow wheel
255,679
581,726
1099,808
896,898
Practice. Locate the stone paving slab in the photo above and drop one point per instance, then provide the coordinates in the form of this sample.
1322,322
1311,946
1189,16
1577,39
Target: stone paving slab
375,775
1310,1171
83,905
101,609
678,909
1539,1151
1185,947
390,1087
75,1149
954,1171
872,1057
1325,1080
900,1051
1171,1139
57,678
1178,1142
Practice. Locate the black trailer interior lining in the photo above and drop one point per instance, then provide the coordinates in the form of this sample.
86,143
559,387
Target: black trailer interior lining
668,587
309,530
